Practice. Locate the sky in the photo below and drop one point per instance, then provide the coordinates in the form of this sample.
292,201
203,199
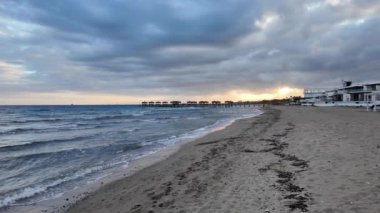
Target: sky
128,51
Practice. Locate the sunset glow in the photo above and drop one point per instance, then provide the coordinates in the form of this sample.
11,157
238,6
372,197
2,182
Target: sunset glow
67,97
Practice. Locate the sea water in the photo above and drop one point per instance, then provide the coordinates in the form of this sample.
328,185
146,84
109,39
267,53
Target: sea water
48,150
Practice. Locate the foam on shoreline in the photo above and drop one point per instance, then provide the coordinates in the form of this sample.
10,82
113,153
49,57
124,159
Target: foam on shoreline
60,202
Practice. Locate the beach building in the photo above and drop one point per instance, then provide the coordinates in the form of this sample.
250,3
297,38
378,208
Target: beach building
313,95
314,92
360,95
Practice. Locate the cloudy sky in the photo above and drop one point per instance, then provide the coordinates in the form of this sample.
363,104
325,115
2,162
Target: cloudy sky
127,51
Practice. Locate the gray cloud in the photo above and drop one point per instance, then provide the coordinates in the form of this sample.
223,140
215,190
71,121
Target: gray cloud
189,47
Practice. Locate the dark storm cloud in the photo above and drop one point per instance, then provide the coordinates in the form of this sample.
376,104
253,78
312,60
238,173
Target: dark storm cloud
192,47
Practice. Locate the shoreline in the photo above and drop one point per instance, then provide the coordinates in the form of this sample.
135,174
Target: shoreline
141,166
61,202
287,159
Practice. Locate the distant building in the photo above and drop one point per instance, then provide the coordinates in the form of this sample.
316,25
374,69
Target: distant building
314,92
349,94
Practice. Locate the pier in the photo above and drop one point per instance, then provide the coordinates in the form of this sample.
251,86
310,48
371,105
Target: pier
215,103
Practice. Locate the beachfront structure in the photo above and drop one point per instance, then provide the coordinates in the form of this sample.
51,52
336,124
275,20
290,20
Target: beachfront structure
361,95
175,103
314,92
313,95
192,103
203,103
216,103
228,103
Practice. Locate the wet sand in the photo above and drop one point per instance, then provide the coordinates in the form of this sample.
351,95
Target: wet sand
290,159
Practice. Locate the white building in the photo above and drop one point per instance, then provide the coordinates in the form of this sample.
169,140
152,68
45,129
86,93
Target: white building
312,95
349,94
314,92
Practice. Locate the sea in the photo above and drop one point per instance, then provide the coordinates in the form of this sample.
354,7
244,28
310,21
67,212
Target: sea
46,151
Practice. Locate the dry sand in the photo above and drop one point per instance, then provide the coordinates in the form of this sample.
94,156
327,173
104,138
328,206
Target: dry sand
288,159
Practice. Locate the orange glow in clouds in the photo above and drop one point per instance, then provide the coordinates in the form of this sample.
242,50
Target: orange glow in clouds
282,92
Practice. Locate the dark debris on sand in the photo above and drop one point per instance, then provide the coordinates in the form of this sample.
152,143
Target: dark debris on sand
296,195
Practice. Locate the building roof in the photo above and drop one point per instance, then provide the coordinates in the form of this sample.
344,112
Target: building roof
372,83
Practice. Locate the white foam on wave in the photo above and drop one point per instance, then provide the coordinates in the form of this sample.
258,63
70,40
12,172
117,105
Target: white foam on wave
141,113
30,192
198,133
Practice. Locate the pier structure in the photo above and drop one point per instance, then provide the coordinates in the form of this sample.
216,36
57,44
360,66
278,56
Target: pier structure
228,103
203,103
175,103
214,103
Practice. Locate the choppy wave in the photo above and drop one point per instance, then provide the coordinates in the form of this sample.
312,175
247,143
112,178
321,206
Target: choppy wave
43,188
36,156
14,162
86,140
39,143
35,121
19,130
28,192
56,120
110,117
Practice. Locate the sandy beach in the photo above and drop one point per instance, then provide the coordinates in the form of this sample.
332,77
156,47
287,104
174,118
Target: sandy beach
289,159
